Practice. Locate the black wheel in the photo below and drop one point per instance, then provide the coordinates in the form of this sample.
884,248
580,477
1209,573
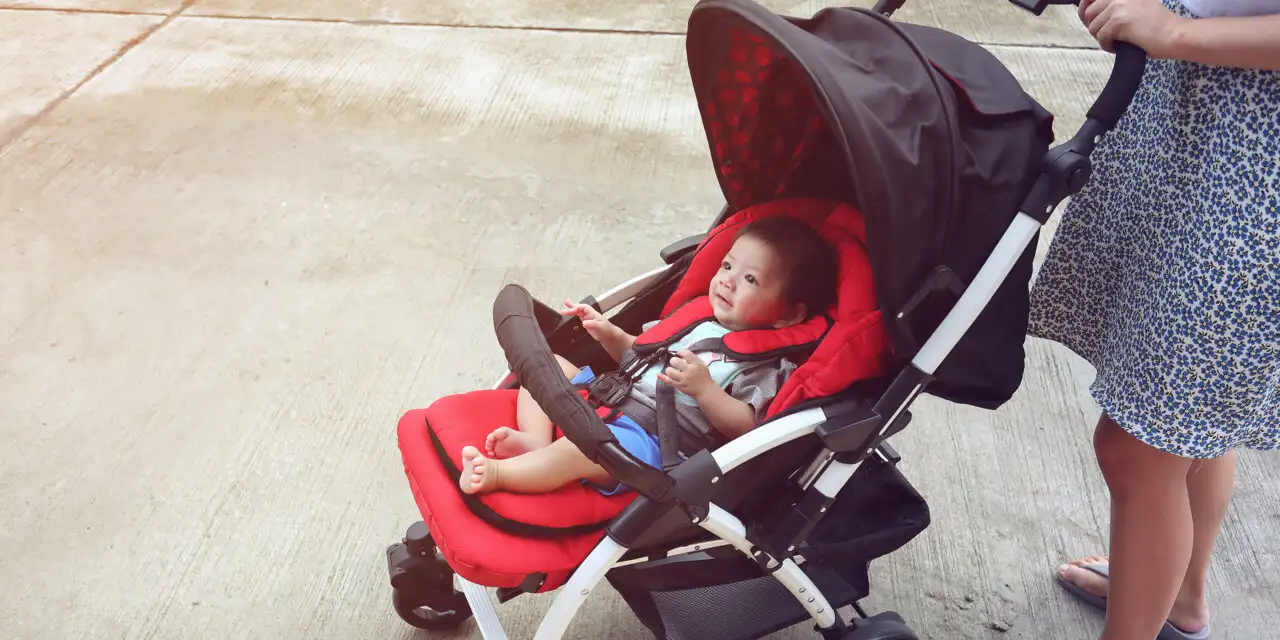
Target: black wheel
886,626
424,616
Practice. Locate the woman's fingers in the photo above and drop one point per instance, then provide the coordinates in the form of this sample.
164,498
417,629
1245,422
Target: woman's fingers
1104,27
1090,9
1082,11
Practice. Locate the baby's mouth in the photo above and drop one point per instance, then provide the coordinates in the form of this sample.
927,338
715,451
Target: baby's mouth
723,300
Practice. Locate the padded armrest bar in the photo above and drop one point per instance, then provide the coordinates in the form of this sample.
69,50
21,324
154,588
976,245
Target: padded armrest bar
680,248
530,358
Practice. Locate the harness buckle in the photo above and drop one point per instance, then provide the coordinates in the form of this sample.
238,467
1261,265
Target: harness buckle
610,389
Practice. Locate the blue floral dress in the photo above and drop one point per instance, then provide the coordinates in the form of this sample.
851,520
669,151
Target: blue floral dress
1164,272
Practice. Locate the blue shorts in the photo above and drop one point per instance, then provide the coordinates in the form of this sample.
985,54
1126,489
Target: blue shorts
631,436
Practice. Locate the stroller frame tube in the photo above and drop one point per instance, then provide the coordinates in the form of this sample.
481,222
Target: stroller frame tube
779,432
728,527
575,591
978,294
482,609
627,290
604,557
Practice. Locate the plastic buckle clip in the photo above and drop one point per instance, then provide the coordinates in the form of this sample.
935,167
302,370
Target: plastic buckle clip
609,389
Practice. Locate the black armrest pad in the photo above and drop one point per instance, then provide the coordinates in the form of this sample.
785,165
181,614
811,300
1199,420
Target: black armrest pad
680,248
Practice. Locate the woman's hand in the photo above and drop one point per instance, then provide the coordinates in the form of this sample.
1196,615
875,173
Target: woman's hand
688,373
1144,23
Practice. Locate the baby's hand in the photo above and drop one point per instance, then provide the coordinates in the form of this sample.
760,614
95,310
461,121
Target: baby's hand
593,321
688,373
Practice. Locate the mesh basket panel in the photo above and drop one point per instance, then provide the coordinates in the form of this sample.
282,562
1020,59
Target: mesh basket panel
734,599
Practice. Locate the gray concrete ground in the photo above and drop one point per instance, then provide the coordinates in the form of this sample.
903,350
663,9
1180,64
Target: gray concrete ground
238,238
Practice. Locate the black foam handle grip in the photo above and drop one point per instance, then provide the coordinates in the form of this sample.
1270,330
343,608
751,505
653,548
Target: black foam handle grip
531,359
1126,72
1126,76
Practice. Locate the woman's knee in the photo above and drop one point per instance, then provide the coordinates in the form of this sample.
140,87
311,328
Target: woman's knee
1130,465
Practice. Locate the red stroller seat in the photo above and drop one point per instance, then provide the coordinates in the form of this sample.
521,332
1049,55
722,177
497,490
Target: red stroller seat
505,540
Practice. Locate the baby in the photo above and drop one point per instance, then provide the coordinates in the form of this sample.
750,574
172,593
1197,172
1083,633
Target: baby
779,272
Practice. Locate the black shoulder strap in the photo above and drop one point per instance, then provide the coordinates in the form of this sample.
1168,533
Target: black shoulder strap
486,513
667,423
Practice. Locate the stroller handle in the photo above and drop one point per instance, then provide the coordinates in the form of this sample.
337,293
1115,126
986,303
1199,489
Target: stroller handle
1126,72
1067,166
530,358
1126,76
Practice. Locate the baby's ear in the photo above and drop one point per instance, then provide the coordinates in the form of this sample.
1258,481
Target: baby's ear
799,313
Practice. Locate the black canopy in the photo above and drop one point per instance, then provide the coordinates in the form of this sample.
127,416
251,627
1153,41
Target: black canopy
925,132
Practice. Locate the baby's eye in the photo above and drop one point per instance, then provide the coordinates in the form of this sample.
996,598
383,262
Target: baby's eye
725,265
750,278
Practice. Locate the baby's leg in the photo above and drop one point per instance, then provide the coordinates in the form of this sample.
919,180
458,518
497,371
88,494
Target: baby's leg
538,471
535,428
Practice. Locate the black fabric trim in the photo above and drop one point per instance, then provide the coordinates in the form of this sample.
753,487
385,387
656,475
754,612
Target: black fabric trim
497,520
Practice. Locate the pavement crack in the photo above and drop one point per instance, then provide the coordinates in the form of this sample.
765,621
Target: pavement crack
129,45
105,12
388,22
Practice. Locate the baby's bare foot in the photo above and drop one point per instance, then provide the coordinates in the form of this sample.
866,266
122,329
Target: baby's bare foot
506,442
479,474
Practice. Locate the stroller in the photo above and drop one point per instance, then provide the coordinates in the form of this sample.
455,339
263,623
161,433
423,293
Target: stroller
921,154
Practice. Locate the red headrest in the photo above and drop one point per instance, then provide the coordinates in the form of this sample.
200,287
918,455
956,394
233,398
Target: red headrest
747,343
854,346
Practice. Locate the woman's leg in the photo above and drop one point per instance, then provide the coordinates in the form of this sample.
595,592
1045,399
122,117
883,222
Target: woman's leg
534,428
537,471
1151,531
1209,485
1164,525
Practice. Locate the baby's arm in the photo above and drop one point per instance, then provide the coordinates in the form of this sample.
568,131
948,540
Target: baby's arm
614,340
729,415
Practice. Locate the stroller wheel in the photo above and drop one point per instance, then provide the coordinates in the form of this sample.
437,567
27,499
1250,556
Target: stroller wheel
425,616
886,626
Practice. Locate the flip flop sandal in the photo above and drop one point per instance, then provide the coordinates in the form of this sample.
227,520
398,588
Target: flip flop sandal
1169,632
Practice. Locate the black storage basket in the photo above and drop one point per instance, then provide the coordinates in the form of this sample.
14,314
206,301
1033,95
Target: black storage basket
720,594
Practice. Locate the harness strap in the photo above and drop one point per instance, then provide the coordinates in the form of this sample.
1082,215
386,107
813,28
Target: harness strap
668,422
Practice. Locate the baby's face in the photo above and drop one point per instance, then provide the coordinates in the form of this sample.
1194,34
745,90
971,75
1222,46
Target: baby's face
747,291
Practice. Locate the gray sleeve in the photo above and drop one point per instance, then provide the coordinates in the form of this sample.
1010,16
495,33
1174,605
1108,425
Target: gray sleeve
759,385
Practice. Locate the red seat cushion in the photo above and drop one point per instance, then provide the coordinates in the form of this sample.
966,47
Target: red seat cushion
475,549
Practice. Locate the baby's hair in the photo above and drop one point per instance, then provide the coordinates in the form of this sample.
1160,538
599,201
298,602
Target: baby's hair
809,263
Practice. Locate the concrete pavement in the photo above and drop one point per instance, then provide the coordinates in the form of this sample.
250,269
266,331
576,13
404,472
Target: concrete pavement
238,238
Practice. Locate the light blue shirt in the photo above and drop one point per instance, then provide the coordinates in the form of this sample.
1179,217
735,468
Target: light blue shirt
1231,8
